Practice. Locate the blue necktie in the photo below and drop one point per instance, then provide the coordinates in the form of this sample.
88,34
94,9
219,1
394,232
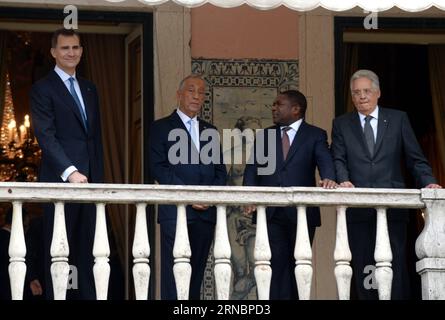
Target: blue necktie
192,131
77,100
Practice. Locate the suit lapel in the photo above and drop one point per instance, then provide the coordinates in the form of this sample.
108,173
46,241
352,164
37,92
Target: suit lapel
88,100
383,123
357,130
66,96
279,148
299,139
202,127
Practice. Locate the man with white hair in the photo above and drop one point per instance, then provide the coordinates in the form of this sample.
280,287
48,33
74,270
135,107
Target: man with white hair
368,146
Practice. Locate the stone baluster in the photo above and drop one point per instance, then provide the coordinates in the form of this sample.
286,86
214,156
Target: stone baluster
430,246
342,257
141,254
17,253
222,253
101,252
60,268
262,255
182,269
383,256
303,256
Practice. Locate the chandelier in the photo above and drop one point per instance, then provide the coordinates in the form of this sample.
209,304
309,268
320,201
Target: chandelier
20,152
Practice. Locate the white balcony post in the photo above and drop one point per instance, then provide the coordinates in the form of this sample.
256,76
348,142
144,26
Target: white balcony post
342,257
60,268
222,253
141,254
383,256
303,256
101,252
262,255
182,269
17,253
430,246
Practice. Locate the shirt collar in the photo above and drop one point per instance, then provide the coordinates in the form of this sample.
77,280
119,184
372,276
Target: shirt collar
374,114
185,118
63,75
295,125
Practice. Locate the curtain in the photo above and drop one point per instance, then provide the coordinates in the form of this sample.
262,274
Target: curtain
350,65
105,56
3,67
436,59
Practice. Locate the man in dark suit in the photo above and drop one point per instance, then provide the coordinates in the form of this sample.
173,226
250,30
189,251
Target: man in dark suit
192,171
298,149
369,146
65,115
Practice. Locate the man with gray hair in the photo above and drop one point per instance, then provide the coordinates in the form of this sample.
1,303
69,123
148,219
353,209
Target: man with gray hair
165,169
368,146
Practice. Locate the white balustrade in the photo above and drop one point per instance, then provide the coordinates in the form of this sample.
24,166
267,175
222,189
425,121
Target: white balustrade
430,246
101,252
262,255
182,269
17,253
303,256
342,256
141,254
60,268
383,256
222,253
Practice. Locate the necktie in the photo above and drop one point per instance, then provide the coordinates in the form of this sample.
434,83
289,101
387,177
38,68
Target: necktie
192,131
369,135
77,100
285,142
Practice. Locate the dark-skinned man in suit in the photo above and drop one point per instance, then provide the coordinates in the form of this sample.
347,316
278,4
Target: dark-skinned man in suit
66,121
201,218
298,154
368,147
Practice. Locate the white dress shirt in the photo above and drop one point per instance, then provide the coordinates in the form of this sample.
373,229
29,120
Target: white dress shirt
292,131
65,78
185,119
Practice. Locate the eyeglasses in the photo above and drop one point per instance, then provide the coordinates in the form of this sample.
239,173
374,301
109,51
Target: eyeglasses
367,92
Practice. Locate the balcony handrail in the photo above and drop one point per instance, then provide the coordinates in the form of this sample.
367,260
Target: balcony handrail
227,195
429,245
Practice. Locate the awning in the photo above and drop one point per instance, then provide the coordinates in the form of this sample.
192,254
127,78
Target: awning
305,5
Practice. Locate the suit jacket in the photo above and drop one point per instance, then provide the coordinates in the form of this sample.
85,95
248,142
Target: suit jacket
186,173
396,144
61,133
309,150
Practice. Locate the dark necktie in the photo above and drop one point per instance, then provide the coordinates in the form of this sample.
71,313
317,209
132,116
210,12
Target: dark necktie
77,100
369,135
285,142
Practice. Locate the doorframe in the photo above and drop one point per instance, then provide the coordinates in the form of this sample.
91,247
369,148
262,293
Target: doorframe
145,20
343,23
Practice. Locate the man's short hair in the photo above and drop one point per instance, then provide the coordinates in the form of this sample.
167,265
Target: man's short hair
190,76
62,32
368,74
296,97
